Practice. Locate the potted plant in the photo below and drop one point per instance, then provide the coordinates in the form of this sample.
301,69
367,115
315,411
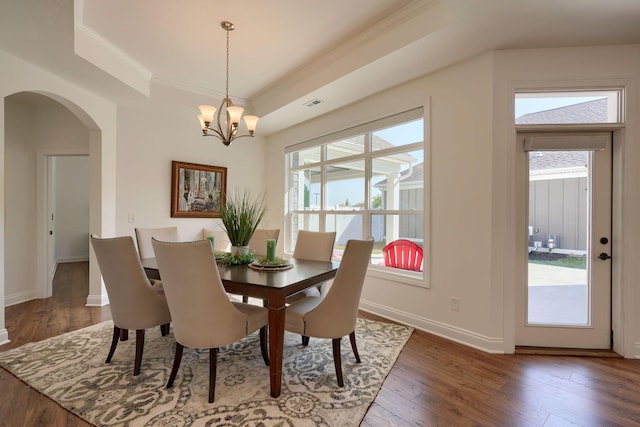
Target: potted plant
240,215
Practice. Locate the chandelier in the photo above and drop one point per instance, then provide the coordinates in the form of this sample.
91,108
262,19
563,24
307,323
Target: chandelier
226,130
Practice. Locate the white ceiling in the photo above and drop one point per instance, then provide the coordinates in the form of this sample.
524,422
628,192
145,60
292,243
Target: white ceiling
286,52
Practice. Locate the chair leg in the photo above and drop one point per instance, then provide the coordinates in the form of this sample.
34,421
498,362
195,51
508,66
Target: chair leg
139,350
164,329
305,340
213,357
337,361
177,358
124,334
263,344
354,347
114,343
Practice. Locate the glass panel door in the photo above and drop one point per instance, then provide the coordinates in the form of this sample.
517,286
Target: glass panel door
567,298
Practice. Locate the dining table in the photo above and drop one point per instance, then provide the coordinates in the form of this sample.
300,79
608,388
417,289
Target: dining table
272,286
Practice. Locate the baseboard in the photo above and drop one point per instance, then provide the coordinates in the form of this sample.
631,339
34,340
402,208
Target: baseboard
97,300
77,258
461,336
4,337
19,297
636,348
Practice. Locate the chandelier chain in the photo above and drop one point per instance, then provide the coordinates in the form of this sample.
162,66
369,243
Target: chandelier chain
227,88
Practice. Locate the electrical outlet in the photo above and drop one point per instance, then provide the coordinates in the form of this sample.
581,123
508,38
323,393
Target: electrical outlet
455,304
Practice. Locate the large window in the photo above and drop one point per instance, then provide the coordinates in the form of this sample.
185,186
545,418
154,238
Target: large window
366,182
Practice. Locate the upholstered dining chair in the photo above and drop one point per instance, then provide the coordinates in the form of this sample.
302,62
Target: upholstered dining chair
220,239
202,314
144,235
258,242
135,304
334,315
314,246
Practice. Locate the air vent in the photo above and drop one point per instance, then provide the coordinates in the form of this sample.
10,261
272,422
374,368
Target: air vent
313,103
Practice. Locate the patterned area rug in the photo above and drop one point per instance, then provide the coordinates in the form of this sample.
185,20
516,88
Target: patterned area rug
70,369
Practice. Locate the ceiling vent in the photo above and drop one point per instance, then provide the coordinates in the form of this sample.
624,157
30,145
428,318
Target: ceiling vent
313,103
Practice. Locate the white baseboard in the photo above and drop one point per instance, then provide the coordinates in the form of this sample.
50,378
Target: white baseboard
4,337
97,300
461,336
19,297
77,258
636,350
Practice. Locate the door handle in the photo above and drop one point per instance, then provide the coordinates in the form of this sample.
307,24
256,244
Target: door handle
604,256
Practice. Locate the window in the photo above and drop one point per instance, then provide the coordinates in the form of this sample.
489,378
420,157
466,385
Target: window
568,107
365,182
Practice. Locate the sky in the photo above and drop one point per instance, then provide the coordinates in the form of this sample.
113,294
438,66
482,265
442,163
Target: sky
534,105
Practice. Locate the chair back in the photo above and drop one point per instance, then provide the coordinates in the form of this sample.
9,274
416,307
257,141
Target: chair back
144,236
314,245
220,239
201,312
258,242
336,315
134,303
403,254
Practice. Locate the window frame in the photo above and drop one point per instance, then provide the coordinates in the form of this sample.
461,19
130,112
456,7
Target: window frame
366,211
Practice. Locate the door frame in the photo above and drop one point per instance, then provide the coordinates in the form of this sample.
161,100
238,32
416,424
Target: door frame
45,269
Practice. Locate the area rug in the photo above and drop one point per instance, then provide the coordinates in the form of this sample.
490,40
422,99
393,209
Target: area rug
70,369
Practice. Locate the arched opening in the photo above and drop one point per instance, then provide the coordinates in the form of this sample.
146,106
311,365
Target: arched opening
38,129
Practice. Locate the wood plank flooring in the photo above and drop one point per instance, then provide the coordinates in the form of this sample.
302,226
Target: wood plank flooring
435,382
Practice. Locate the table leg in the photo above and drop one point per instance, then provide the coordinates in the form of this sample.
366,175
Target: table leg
276,343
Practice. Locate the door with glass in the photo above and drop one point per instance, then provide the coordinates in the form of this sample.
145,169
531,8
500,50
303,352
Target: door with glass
566,300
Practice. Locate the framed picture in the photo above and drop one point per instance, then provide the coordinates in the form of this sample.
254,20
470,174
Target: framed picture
197,191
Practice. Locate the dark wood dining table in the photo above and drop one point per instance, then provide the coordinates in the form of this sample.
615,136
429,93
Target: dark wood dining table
272,287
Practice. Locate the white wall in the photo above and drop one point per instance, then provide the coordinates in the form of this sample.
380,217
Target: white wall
71,234
473,218
149,139
20,204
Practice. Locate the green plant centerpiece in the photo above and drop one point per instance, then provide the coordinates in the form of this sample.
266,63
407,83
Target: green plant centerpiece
240,215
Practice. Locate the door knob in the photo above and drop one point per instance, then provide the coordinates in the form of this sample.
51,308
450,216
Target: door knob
604,256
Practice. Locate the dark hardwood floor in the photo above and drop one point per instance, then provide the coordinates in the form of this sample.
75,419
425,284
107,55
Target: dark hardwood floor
435,382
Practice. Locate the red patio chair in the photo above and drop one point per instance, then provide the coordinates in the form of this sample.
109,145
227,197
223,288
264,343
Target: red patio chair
403,254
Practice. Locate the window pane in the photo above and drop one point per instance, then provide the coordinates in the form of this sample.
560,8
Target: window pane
395,136
305,157
567,107
345,185
397,182
304,189
304,221
346,226
388,228
301,221
345,147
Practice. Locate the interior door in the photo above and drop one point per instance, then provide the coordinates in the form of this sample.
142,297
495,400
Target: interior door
566,298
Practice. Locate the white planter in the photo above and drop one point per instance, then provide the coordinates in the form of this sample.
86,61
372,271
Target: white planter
239,250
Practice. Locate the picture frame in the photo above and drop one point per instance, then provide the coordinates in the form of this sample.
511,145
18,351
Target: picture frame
197,191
